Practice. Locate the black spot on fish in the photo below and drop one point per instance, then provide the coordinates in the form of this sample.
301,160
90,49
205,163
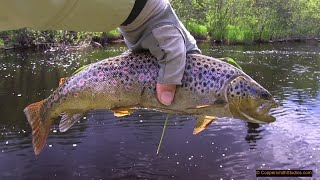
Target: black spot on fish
228,76
205,72
213,70
232,72
236,87
205,84
244,94
200,76
188,67
238,93
202,91
211,85
265,96
198,63
206,65
196,84
221,83
220,65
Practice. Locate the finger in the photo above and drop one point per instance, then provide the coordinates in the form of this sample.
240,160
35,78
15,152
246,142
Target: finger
165,93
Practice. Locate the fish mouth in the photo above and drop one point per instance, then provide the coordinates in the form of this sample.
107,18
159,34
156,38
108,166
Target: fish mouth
266,106
262,115
264,119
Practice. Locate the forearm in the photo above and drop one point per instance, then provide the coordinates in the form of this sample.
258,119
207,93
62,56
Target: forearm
77,15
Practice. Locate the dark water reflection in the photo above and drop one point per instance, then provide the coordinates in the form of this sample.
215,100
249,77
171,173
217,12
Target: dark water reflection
104,147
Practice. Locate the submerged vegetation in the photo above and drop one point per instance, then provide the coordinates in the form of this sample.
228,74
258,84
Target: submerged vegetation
229,21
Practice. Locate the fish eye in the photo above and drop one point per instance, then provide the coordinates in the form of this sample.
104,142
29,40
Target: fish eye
265,95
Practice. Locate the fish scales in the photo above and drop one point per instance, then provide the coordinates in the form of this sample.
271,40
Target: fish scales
130,80
210,88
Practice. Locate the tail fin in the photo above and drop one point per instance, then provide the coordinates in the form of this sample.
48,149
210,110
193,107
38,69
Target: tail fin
40,128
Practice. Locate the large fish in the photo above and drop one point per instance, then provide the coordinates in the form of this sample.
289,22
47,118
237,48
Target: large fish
210,88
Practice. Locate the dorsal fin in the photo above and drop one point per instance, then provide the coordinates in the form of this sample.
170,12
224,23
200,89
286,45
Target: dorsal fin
67,120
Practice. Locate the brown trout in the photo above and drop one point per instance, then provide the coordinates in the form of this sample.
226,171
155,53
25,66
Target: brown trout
210,88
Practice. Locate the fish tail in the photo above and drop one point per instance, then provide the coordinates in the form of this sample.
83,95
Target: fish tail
40,127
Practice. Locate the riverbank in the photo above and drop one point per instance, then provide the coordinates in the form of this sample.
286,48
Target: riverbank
70,40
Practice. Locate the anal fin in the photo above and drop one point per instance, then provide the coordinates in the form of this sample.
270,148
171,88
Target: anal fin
68,120
122,111
202,122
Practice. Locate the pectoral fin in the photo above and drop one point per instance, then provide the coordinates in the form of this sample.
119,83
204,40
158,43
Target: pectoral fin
68,120
122,111
202,122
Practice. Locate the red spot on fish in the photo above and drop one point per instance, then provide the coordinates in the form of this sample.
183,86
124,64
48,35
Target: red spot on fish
81,82
101,75
125,70
55,97
64,92
114,82
195,71
141,77
76,94
148,77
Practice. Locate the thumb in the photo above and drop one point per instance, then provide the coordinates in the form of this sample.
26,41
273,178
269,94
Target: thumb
165,93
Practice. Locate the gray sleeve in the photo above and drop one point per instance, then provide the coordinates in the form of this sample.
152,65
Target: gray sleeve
167,44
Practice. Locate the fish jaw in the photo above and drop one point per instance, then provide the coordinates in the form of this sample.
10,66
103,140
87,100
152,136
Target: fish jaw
250,101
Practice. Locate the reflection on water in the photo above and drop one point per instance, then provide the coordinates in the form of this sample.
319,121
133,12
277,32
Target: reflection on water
101,146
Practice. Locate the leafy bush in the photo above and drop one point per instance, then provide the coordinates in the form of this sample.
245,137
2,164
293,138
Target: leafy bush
197,30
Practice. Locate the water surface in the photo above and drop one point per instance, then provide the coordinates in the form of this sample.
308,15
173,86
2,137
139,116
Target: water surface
101,146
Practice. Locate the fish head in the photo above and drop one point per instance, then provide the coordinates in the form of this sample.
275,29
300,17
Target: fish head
250,101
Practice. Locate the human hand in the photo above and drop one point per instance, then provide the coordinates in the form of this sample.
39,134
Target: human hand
165,93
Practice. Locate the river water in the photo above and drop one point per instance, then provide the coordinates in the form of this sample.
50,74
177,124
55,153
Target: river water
101,146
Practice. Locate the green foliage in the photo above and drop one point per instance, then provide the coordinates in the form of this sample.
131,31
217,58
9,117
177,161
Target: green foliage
32,38
1,43
232,61
114,34
253,20
197,30
232,21
79,69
